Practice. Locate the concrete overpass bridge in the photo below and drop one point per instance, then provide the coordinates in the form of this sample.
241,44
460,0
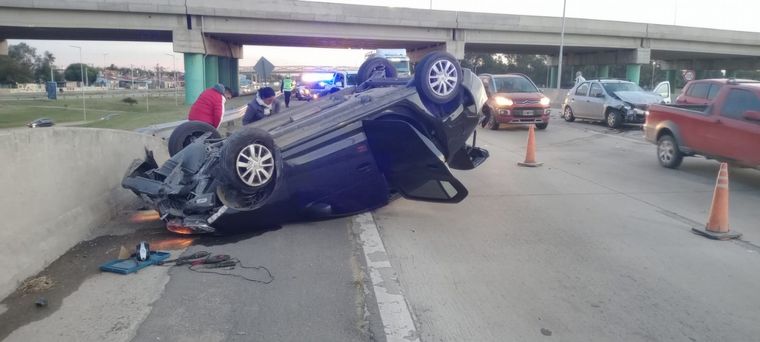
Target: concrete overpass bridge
211,35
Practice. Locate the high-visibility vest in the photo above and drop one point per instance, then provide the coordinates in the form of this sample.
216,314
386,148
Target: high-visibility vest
287,85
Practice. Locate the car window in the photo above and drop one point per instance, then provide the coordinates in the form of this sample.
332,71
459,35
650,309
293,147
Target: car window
486,83
714,88
596,89
514,84
738,101
699,90
612,87
582,89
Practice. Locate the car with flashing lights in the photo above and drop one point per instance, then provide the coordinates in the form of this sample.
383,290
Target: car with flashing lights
346,153
727,129
514,99
615,102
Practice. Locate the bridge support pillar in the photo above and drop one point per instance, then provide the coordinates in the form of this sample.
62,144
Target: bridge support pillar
224,71
633,72
553,76
193,77
3,47
234,82
211,71
604,71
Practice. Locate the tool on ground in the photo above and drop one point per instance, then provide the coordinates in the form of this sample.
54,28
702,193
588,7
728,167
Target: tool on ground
530,153
717,222
142,251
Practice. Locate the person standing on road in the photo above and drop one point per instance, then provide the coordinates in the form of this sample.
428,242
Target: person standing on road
209,107
286,87
579,78
260,107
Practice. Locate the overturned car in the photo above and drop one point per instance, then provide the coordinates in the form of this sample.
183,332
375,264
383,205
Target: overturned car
346,153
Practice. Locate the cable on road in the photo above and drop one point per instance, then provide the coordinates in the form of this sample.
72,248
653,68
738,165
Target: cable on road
231,264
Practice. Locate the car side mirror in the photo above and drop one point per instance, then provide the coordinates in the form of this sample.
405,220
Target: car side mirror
752,115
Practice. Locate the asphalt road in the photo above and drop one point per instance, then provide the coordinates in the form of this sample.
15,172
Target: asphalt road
593,246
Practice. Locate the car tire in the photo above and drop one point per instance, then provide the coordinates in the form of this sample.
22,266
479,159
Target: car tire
567,114
248,160
668,153
492,124
187,132
438,78
614,119
368,68
542,125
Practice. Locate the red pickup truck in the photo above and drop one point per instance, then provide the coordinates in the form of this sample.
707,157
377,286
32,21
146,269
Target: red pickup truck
728,129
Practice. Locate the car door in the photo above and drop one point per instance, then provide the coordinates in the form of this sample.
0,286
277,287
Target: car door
595,101
663,89
579,100
738,129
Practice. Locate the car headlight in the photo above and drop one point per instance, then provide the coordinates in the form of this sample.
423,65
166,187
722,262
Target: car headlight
307,91
503,101
545,101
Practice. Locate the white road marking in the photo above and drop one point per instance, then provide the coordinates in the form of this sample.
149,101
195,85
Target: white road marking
394,309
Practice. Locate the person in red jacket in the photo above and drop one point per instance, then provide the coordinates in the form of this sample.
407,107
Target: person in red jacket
209,107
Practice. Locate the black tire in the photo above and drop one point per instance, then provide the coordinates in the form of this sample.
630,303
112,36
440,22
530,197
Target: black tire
492,124
443,67
614,119
568,115
668,153
368,68
187,132
253,145
542,125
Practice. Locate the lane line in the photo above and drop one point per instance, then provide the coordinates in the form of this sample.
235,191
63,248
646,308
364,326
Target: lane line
394,308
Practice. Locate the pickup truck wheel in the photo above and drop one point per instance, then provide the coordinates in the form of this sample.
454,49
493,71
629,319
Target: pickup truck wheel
614,119
568,114
668,153
187,132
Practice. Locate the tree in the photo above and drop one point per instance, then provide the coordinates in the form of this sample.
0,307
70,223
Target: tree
18,65
42,66
74,73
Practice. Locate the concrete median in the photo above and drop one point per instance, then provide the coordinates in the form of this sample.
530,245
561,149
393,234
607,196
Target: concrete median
59,185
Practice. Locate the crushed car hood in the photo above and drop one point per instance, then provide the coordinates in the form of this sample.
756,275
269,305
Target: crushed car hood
638,97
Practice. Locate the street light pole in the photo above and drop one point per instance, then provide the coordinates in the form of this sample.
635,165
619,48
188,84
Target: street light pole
174,67
654,65
104,71
81,71
561,46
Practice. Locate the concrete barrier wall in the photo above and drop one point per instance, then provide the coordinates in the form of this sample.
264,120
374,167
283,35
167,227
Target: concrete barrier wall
58,185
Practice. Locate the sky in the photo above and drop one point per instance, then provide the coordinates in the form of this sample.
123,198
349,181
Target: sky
739,15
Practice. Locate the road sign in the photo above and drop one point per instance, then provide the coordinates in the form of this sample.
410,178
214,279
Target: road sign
263,68
688,75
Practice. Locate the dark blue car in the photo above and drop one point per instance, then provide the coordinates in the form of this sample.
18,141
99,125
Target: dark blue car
346,153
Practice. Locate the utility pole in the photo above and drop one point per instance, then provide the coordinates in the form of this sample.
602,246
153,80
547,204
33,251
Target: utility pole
561,46
174,67
81,71
105,77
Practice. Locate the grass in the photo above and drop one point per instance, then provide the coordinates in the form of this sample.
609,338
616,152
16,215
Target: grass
160,109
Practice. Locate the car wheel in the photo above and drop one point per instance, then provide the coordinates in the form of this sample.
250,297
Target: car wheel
438,78
247,160
568,114
542,125
614,119
668,153
186,133
492,124
370,66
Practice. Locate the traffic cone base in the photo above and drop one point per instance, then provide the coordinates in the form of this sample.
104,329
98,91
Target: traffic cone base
529,164
716,236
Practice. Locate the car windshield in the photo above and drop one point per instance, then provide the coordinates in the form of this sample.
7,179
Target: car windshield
621,86
514,84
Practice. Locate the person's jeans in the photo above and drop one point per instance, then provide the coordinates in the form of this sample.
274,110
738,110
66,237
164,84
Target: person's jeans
287,99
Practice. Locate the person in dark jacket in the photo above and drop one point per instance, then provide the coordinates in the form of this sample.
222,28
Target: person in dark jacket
209,107
260,107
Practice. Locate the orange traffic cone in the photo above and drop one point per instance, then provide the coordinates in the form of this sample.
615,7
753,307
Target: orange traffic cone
530,154
717,223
